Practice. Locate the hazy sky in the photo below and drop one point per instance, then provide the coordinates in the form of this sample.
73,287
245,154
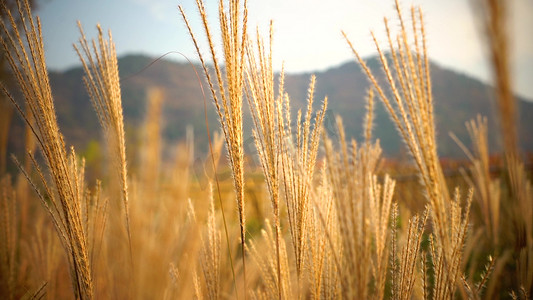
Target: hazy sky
306,32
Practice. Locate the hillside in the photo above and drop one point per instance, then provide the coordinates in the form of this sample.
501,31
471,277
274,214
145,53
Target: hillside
458,98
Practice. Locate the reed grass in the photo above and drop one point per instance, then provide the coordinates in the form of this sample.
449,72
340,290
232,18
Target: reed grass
349,170
210,258
266,110
339,228
102,82
45,254
408,78
474,292
298,159
265,254
151,156
9,244
324,243
404,262
228,93
487,190
6,112
494,16
26,59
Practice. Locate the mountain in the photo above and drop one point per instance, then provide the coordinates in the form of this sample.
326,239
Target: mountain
457,97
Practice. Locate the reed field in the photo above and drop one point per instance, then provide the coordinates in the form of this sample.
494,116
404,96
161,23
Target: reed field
325,216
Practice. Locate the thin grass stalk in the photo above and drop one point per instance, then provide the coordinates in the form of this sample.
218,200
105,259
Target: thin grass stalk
394,252
39,292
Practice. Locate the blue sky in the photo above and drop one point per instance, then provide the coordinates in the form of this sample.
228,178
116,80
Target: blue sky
306,32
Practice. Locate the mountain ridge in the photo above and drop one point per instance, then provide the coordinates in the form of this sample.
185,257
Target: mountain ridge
457,97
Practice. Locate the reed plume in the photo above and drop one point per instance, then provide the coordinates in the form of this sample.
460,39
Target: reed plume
299,152
45,255
26,59
267,114
324,246
380,205
227,91
487,190
474,291
404,275
411,110
102,82
285,159
350,169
